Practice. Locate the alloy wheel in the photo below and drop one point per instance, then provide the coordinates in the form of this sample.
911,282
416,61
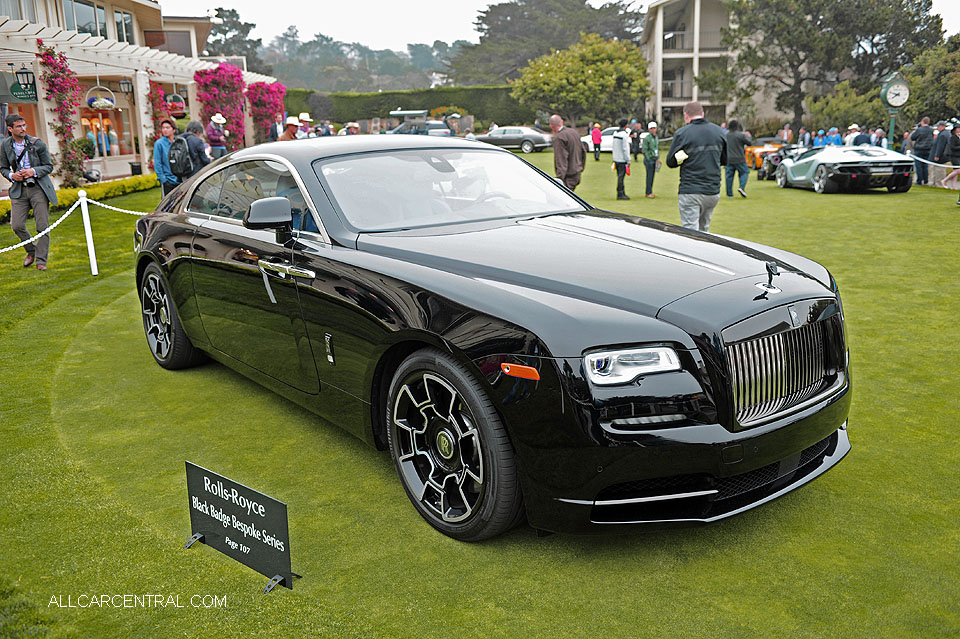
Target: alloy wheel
155,303
439,449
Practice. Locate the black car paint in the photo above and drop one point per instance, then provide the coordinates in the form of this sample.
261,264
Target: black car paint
493,293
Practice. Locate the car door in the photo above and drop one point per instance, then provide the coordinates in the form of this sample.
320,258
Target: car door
496,137
512,137
606,139
803,167
246,291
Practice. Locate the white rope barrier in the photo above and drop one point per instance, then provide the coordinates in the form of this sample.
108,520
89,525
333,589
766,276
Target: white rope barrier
44,231
925,161
83,203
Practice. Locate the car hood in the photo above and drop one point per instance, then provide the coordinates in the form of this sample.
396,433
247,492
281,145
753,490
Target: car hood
617,261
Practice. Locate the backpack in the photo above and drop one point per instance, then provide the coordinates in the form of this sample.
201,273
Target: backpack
181,164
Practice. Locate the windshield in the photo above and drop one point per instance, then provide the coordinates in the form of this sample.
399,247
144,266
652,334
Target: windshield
395,190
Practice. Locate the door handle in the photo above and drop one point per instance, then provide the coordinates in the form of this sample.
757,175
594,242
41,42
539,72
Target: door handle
285,268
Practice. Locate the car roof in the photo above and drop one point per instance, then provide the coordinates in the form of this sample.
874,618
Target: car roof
310,149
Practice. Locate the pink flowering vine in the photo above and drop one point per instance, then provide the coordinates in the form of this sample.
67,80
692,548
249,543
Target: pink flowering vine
266,100
158,108
62,88
221,90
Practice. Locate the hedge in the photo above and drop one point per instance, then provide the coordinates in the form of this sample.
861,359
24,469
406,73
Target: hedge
295,101
100,191
483,102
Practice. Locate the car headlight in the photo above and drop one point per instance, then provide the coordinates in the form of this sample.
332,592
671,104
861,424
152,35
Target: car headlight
606,368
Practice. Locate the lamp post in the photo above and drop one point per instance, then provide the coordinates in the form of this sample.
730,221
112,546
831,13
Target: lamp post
126,86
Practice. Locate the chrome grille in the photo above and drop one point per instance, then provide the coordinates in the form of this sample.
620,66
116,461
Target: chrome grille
773,373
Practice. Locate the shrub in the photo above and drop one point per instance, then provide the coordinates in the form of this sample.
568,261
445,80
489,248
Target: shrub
99,191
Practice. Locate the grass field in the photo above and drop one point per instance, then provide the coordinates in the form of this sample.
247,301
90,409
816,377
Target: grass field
94,437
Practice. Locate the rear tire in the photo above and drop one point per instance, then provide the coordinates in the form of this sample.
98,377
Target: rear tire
822,183
901,187
526,146
450,448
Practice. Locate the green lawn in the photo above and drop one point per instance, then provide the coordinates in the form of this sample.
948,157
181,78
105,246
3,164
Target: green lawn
94,435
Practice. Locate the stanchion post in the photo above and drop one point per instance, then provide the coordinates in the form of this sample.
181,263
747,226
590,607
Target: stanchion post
85,214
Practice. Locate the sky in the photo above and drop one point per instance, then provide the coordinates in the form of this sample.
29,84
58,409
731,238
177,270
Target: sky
391,24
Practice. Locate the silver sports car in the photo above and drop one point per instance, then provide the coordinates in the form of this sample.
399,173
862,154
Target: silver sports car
827,169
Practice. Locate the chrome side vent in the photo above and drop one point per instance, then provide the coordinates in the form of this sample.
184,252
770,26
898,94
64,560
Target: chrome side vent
773,373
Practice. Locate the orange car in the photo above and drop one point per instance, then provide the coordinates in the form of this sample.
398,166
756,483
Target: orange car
759,148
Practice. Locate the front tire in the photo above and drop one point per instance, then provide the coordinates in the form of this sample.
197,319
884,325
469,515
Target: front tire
450,448
168,342
782,177
900,187
526,146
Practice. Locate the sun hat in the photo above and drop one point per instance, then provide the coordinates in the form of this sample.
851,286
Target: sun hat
294,120
853,127
305,117
820,132
218,118
353,124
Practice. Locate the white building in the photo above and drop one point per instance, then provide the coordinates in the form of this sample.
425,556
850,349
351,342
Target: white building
119,45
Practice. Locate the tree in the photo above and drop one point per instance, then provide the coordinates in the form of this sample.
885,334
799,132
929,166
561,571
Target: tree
889,34
783,46
934,84
232,37
845,106
516,32
599,78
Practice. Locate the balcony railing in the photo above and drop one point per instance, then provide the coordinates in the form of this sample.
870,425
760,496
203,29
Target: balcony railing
678,41
683,41
677,90
712,41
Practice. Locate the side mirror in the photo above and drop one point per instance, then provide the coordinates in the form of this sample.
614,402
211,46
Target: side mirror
269,213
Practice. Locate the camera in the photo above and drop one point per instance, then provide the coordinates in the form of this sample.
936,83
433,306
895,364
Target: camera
31,182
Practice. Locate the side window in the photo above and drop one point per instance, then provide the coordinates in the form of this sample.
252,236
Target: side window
513,132
248,182
207,195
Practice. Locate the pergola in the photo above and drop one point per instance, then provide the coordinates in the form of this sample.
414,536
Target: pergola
91,56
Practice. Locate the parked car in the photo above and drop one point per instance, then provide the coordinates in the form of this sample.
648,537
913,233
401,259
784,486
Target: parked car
759,148
525,138
770,160
430,127
828,169
451,303
606,140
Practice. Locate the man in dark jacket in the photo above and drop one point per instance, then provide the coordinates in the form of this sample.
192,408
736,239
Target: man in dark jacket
198,152
737,143
25,161
568,153
699,149
922,140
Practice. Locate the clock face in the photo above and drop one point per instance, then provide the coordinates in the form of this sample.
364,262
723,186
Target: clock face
897,94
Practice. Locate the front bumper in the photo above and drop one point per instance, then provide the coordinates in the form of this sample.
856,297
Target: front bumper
577,482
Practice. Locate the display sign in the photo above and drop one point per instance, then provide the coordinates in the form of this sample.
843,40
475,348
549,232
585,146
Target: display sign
24,93
241,523
13,91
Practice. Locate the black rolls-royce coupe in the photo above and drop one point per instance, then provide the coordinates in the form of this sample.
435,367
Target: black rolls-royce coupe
518,352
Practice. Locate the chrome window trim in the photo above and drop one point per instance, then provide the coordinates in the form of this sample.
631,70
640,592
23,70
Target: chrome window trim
252,158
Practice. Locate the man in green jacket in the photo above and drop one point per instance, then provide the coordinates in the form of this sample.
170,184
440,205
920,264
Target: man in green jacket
651,155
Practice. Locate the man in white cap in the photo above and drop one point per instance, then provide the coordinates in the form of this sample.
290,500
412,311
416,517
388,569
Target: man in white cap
651,155
305,129
852,131
291,126
217,136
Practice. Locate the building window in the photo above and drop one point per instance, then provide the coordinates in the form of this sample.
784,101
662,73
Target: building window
85,17
18,10
124,22
170,41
